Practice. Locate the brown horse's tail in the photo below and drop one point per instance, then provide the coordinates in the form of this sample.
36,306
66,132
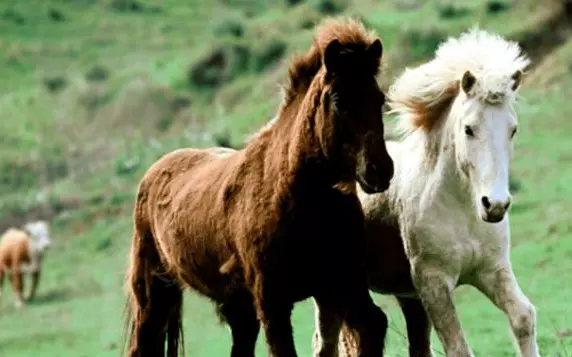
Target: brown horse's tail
154,303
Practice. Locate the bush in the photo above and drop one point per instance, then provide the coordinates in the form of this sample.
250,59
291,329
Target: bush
126,5
250,7
132,6
306,24
220,65
495,7
330,7
95,98
231,27
164,122
13,16
97,73
451,11
223,139
421,43
126,166
56,15
269,54
230,59
293,2
180,102
55,84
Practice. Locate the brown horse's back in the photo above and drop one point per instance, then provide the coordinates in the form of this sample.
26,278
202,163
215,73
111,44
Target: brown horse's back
171,204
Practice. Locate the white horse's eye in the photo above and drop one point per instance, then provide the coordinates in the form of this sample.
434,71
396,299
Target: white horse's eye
469,131
513,132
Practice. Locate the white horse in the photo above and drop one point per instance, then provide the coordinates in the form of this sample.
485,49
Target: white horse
450,193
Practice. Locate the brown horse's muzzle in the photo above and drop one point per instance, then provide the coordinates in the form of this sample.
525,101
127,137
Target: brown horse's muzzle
374,166
375,178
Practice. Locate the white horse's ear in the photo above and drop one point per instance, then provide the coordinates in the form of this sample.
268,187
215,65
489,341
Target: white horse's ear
517,78
468,82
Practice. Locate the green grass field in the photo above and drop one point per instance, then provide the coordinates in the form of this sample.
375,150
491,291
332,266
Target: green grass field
91,92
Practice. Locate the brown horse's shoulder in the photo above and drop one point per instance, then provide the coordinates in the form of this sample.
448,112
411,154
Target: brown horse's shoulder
177,160
171,165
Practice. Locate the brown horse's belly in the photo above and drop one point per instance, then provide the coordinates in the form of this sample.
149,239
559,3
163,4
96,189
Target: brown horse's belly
388,266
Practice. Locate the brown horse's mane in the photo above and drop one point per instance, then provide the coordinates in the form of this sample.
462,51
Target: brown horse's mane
305,67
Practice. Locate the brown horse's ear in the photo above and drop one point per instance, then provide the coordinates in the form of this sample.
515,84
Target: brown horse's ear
517,77
375,50
468,82
332,56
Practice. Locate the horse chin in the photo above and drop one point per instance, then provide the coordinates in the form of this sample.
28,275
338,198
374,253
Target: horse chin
371,189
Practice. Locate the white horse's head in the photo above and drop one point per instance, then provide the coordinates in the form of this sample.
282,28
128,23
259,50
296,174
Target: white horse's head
40,234
485,124
463,101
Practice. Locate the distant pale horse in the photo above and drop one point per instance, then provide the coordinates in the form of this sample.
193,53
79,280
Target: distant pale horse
444,222
21,252
259,229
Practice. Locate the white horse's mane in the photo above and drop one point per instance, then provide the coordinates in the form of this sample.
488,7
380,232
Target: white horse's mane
421,91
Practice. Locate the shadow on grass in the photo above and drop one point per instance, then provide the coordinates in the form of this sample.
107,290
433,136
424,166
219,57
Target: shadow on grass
53,295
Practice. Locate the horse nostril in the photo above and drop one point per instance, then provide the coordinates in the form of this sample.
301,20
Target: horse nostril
373,168
507,205
486,202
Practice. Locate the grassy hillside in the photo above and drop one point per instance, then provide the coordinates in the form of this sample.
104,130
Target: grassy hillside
91,92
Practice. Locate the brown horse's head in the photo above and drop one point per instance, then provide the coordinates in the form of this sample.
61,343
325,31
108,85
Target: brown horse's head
349,120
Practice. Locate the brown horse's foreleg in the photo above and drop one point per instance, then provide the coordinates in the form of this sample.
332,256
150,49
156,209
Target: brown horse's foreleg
365,324
274,312
35,281
328,325
18,286
238,312
369,324
418,327
278,330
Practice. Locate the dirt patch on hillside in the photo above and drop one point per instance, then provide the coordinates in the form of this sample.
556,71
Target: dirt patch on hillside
18,216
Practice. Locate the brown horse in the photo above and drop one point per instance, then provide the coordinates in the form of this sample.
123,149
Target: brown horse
21,252
262,228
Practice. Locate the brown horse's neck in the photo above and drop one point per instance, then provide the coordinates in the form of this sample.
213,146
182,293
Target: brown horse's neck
294,148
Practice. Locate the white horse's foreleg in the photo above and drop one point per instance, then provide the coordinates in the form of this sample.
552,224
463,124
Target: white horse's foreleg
501,287
326,335
435,289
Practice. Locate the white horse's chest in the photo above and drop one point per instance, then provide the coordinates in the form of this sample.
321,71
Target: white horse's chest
457,242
